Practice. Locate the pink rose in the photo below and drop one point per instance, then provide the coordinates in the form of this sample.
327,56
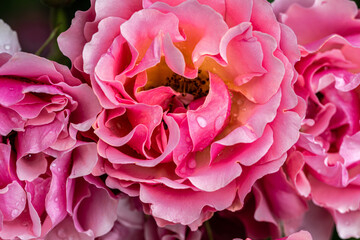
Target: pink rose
43,111
196,97
325,163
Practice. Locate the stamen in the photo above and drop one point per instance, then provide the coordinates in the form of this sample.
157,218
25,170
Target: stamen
198,87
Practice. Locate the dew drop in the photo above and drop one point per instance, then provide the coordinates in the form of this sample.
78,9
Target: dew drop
219,122
14,212
192,163
246,79
7,47
102,169
17,204
182,170
61,233
23,199
53,165
59,169
11,89
14,119
187,139
181,157
201,121
56,199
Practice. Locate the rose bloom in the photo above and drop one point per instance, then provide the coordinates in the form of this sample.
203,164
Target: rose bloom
43,110
325,164
197,97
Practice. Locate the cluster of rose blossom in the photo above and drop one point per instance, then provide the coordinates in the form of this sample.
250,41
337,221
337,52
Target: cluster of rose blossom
182,113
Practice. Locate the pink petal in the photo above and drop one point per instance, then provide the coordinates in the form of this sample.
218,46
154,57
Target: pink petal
347,224
340,199
98,207
100,42
37,138
204,125
145,45
13,201
66,229
198,21
187,205
238,11
31,166
313,36
239,41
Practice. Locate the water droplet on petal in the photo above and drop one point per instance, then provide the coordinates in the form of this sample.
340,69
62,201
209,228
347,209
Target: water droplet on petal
14,213
61,233
219,122
7,46
22,199
11,89
14,119
181,157
192,163
187,139
201,121
182,170
102,169
53,165
59,169
56,199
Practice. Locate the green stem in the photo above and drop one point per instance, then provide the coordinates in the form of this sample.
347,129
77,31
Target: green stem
282,230
208,230
48,40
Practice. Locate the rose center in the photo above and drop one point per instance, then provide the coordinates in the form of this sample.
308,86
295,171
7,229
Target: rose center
198,87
